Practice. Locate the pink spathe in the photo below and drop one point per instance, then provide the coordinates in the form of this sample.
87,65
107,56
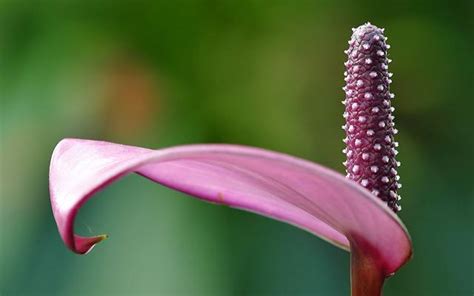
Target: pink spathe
271,184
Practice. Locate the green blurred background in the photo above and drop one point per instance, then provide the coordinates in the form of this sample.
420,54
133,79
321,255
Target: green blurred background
262,73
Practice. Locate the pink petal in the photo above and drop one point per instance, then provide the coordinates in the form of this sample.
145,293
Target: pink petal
272,184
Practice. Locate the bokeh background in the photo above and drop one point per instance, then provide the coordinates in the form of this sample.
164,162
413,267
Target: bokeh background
254,72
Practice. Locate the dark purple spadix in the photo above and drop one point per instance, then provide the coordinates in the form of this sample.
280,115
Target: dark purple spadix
369,127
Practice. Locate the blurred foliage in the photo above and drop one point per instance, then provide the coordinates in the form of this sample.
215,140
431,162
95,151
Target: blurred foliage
263,73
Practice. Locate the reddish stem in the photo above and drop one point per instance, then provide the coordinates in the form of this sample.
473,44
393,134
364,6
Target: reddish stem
367,277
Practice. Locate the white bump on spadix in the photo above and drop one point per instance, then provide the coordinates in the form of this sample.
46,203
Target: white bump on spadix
355,169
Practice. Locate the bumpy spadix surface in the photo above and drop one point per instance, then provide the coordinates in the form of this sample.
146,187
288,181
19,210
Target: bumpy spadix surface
275,185
371,148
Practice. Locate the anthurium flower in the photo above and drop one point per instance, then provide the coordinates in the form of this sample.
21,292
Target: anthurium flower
275,185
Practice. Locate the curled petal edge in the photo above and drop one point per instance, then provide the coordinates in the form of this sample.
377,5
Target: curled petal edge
279,186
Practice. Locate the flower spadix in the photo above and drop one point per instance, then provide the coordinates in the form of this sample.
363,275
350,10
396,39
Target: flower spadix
370,130
275,185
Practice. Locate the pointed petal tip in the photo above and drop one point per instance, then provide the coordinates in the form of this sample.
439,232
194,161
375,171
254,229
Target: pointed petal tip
102,237
83,245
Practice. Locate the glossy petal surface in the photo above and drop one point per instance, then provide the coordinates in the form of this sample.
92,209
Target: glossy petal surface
272,184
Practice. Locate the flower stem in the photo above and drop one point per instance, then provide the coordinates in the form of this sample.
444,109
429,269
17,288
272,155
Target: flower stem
367,276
